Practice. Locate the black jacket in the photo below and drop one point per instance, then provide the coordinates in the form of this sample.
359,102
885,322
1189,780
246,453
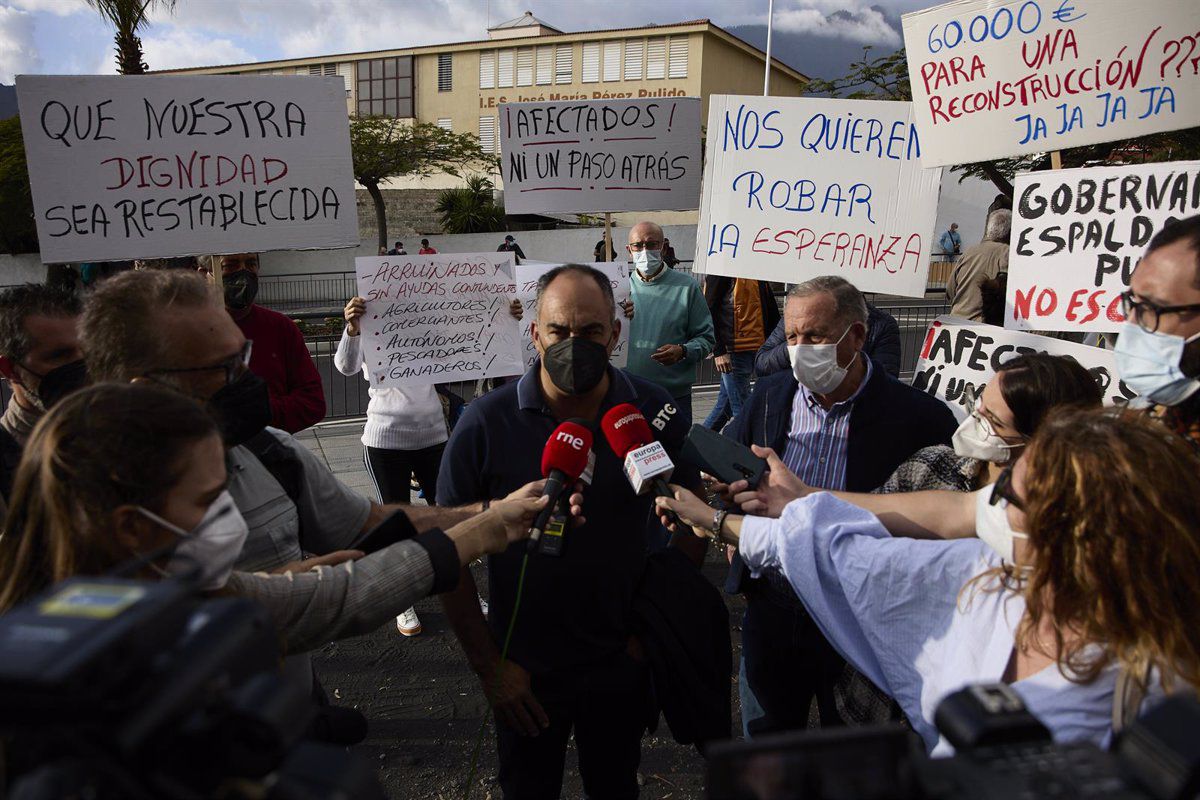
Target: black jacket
715,289
889,422
683,625
882,345
10,457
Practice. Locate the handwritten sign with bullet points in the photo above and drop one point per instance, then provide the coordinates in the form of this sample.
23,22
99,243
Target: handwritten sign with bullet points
601,155
438,318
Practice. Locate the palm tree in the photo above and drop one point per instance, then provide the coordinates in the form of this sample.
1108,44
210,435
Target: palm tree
470,208
127,16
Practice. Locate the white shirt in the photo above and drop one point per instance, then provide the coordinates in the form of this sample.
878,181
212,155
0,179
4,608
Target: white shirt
892,608
400,418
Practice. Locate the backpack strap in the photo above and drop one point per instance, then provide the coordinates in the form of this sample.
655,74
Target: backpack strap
1128,695
283,465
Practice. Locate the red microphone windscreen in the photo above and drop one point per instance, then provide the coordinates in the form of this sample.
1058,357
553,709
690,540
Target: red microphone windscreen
567,449
626,429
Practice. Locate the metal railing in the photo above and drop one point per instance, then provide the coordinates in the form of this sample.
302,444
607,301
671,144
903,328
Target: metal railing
346,396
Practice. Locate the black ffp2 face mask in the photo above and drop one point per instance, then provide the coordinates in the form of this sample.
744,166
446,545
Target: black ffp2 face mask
58,383
242,408
576,365
240,289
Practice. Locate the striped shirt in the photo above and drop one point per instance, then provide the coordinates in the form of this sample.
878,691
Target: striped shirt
819,439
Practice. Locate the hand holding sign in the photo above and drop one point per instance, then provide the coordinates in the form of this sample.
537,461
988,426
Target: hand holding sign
438,318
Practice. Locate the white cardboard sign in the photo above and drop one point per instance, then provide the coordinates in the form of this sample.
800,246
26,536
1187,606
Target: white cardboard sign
1077,235
995,78
580,156
126,167
958,353
438,318
527,277
798,187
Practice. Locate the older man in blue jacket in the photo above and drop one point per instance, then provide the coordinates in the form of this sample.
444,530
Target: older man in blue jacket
839,422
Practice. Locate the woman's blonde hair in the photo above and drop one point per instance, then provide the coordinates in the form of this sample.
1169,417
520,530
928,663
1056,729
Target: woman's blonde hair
97,449
1112,503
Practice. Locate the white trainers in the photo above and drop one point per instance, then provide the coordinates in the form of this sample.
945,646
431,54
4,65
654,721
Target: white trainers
483,606
408,623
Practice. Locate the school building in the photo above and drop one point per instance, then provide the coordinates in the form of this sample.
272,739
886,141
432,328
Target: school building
461,85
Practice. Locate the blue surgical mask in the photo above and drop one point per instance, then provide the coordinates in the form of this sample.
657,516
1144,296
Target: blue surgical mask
1149,364
648,262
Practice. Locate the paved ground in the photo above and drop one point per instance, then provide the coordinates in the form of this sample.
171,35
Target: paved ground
425,706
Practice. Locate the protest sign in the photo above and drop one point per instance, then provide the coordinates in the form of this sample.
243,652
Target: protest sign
798,187
126,167
527,277
1078,234
601,155
438,318
995,78
958,354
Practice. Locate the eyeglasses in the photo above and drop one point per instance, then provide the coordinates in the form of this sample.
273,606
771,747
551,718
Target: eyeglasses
1146,315
1002,489
638,247
234,366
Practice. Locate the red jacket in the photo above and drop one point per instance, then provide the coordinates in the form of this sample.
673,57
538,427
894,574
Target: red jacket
280,357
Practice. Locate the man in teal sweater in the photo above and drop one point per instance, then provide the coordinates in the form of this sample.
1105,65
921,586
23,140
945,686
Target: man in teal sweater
672,329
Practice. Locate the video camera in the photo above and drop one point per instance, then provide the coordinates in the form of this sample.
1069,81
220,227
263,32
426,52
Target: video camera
1002,752
117,688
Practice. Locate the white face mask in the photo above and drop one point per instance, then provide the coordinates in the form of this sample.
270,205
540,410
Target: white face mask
815,365
991,524
976,438
648,262
1149,364
214,544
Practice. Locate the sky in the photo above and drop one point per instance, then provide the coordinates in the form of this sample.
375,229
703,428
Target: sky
68,37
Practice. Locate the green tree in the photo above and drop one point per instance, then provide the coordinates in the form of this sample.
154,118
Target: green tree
471,208
886,78
384,148
128,17
18,233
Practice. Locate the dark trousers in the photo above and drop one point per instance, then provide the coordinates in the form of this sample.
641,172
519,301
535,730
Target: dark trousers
786,662
392,472
606,704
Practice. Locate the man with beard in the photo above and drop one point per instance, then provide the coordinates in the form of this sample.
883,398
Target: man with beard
279,355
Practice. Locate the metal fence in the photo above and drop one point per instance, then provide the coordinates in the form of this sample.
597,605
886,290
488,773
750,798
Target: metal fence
346,396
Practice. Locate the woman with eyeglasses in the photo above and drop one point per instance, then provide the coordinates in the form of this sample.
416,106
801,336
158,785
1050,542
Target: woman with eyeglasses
1002,416
1104,578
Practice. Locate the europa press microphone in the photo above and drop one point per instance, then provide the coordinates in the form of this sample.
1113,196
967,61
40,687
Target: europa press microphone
564,459
647,465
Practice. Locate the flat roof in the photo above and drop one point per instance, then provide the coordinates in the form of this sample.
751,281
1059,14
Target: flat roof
704,25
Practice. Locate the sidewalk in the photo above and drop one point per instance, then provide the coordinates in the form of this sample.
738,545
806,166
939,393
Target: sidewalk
339,445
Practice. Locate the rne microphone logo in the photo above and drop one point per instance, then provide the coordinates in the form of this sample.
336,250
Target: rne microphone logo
575,441
626,418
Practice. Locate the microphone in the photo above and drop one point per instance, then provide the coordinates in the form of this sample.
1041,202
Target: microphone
647,465
564,459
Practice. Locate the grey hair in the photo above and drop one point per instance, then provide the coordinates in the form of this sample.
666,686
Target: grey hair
851,305
999,226
121,326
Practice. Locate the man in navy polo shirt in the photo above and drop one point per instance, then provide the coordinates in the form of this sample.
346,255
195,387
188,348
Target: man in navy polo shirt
569,664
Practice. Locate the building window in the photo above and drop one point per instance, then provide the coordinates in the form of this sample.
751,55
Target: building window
445,124
487,70
487,134
564,63
678,57
591,62
525,66
322,69
612,61
634,50
344,69
545,65
445,72
504,66
385,87
656,59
